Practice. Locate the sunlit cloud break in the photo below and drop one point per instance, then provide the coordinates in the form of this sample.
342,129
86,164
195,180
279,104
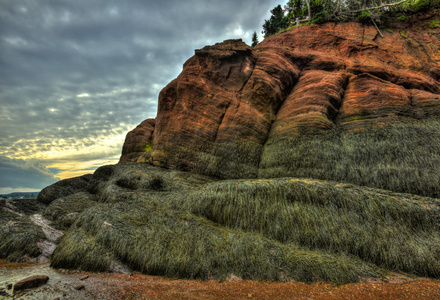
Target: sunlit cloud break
83,95
71,157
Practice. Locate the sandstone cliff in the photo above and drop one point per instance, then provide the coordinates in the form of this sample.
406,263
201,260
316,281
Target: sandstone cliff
334,102
242,112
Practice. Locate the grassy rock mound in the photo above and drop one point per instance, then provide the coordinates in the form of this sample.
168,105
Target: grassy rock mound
178,244
63,188
18,234
64,210
403,157
191,226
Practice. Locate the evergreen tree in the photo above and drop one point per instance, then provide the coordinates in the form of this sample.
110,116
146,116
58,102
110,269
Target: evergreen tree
277,22
254,39
295,9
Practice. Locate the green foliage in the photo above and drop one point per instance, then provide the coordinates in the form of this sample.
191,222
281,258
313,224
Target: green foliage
340,10
403,17
254,39
364,15
148,147
276,22
404,34
434,24
295,9
417,5
320,10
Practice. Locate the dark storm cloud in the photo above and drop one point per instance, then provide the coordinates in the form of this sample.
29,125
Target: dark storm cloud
16,173
74,70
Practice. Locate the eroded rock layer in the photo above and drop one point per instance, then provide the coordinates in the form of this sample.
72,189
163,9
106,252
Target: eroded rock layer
228,110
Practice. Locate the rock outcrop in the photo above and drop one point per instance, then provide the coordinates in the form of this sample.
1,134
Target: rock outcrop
31,282
138,141
232,104
64,188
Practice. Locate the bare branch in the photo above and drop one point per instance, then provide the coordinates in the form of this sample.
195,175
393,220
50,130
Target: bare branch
309,11
377,7
378,30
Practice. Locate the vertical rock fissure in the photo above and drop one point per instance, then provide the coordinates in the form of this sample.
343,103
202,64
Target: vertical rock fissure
411,98
230,101
250,76
222,117
276,113
335,119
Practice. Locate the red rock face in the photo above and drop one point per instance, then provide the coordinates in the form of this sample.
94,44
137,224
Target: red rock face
137,141
231,101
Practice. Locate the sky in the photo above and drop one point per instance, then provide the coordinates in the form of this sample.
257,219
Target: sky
76,76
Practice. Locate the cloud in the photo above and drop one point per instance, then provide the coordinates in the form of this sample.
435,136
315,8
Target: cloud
18,174
75,72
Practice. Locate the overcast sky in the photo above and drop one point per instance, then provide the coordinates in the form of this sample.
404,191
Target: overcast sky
76,76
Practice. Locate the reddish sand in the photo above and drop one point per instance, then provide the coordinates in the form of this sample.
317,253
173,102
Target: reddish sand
66,283
152,287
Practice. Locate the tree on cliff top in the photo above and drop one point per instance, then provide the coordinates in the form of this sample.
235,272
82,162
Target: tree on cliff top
319,11
277,22
254,39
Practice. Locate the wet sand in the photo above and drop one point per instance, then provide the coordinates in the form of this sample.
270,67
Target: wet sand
65,284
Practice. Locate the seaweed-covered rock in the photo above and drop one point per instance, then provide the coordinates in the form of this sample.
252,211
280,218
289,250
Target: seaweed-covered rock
64,210
270,229
132,181
19,236
64,188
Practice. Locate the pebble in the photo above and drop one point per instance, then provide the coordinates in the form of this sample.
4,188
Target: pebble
79,287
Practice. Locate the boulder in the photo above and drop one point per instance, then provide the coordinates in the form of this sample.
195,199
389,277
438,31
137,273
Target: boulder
64,188
31,282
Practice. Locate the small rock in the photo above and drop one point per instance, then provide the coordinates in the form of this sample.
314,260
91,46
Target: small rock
9,286
84,277
31,282
79,287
